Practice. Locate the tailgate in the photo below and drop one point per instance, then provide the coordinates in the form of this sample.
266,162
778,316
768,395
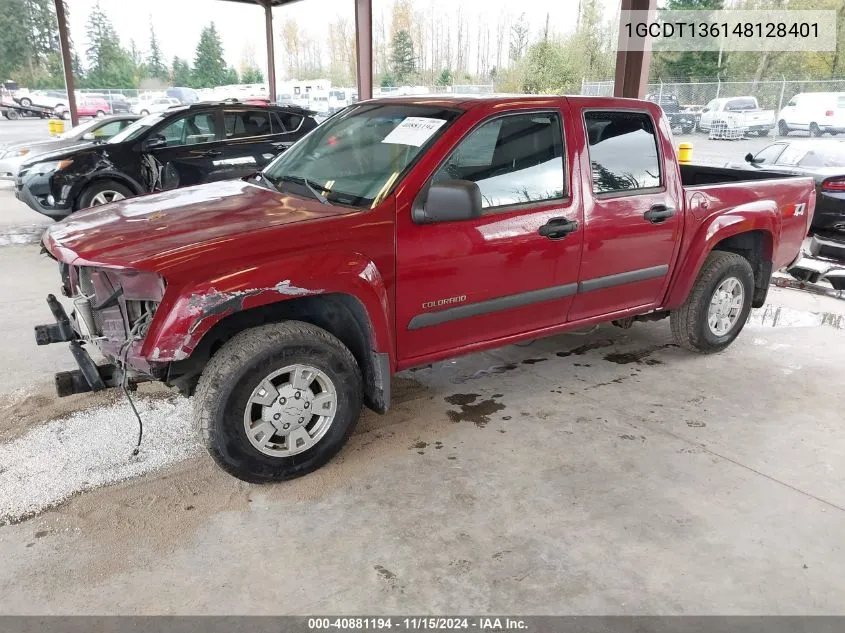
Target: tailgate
760,117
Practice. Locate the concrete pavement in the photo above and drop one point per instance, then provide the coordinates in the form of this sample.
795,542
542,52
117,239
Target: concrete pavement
601,473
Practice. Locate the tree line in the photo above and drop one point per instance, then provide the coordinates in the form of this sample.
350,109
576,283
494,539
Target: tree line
30,54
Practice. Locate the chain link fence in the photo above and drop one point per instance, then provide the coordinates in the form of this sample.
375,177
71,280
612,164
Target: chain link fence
772,95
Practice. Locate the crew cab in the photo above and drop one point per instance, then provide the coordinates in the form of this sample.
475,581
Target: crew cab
737,113
402,232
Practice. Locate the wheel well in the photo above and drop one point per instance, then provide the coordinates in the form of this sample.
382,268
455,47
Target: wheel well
756,247
340,314
115,177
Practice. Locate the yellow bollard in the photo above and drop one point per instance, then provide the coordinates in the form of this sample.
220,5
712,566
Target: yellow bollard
60,126
684,152
51,126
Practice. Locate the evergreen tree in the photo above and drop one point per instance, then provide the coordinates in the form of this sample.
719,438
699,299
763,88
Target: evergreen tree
403,63
209,67
181,72
230,77
155,66
252,75
110,65
14,37
688,65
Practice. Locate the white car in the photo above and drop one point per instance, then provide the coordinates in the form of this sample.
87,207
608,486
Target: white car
45,99
735,113
815,112
154,105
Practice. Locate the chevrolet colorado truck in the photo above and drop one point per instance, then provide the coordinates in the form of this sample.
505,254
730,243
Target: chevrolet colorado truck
402,232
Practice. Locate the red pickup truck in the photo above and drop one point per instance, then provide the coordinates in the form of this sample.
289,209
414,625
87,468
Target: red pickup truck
406,231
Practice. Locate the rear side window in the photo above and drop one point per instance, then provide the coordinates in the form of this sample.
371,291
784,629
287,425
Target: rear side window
246,123
513,159
285,122
840,102
623,151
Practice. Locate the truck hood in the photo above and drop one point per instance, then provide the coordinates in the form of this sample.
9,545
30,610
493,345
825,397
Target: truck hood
158,231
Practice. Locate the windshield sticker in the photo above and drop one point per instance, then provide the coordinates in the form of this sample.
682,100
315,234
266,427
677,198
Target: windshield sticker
414,130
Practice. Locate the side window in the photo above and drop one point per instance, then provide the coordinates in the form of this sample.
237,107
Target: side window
289,122
246,123
791,155
513,160
190,130
769,155
792,103
109,129
840,102
623,151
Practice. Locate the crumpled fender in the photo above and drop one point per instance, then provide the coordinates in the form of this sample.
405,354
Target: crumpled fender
760,215
189,311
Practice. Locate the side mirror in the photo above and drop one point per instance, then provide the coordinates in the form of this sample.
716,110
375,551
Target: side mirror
154,142
449,201
89,136
749,157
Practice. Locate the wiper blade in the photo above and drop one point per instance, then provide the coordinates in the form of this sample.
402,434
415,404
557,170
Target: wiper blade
261,177
319,196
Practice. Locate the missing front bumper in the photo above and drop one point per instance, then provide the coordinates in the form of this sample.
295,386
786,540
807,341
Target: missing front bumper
89,376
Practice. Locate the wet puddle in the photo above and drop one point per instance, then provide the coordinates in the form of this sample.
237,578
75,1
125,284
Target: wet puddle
781,316
471,411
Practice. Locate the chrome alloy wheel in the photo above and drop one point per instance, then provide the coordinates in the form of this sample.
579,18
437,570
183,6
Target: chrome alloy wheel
290,410
104,197
725,306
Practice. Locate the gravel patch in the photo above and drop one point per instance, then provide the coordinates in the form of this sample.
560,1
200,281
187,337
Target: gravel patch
88,450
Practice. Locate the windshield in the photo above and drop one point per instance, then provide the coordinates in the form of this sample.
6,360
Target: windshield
357,156
80,129
131,132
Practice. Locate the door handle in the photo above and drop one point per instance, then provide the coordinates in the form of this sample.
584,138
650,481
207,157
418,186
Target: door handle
558,228
659,213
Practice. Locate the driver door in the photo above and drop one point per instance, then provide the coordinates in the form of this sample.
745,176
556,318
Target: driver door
193,144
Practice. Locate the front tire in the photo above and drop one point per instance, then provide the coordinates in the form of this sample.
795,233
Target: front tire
815,130
717,306
102,192
26,102
762,133
278,401
783,128
144,112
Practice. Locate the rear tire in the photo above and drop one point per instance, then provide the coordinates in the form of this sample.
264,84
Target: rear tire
100,113
26,102
144,112
102,192
691,323
815,130
783,128
229,419
762,133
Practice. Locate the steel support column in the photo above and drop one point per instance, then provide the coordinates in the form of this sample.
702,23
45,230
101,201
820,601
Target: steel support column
64,41
364,47
632,65
271,55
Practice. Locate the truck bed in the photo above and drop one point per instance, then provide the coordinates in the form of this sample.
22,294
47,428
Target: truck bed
725,188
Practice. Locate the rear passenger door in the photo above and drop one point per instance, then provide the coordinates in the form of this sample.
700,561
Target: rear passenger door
632,222
249,142
192,144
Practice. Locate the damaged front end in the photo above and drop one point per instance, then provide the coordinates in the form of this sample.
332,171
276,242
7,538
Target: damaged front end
823,260
112,310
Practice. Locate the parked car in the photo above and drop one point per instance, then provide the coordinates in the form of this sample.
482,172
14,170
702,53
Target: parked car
401,232
735,113
679,118
85,107
186,145
824,161
184,95
815,112
44,99
93,131
119,103
150,106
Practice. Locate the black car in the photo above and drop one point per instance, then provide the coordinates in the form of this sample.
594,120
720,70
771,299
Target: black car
678,118
119,103
824,161
185,145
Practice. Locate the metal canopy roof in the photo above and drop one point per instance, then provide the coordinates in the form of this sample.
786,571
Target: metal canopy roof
273,3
